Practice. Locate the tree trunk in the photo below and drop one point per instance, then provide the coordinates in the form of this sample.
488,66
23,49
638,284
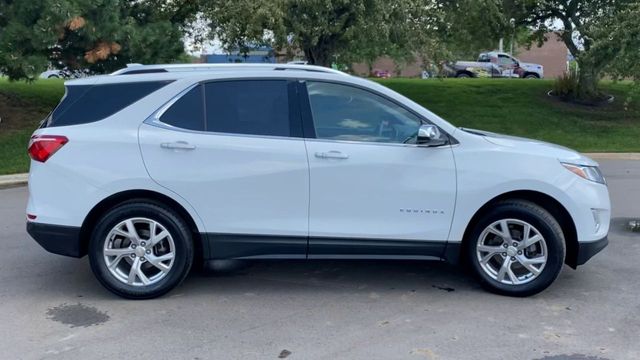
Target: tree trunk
369,67
317,56
588,77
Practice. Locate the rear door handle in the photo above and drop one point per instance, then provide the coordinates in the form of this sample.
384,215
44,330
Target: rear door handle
332,155
178,145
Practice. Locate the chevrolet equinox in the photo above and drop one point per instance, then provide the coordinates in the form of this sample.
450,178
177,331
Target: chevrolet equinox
154,167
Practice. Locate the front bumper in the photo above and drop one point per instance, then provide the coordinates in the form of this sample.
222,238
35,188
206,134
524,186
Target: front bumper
586,250
58,239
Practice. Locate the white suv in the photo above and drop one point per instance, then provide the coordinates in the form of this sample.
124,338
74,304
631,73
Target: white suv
153,168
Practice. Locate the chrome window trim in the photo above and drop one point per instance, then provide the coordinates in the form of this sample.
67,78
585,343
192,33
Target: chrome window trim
154,118
196,132
355,142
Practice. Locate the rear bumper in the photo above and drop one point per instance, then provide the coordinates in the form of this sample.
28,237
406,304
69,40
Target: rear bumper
58,239
586,250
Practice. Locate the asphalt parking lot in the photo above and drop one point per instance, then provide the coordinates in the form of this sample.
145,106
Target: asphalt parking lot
52,307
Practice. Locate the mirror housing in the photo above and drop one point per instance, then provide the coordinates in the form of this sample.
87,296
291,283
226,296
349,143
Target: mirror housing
430,135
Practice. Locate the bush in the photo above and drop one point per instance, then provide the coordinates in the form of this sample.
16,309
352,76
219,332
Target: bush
566,86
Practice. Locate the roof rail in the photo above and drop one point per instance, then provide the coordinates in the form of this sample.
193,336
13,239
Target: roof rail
160,68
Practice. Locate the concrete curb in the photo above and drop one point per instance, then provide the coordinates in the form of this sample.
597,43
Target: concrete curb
614,156
13,180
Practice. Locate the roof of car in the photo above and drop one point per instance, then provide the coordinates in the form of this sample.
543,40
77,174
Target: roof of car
138,73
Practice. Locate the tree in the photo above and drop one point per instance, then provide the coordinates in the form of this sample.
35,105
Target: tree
102,35
323,29
585,31
359,30
623,43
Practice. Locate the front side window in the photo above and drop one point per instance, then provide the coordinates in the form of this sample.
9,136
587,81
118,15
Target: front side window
506,60
342,112
254,107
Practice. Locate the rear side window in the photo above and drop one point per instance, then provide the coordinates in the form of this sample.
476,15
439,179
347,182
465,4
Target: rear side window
187,112
255,107
88,103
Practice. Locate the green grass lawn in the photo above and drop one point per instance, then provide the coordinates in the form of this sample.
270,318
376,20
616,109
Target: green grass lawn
22,107
522,108
510,106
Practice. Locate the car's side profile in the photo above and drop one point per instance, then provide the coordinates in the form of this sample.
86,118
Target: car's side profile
149,170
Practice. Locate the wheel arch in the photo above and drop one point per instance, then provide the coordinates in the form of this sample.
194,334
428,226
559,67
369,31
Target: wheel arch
115,199
465,72
547,202
527,73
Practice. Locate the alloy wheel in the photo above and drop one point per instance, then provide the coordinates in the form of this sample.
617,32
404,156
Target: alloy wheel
512,251
139,251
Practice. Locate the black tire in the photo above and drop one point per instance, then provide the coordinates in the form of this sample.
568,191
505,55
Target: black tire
464,75
531,76
174,224
548,227
53,77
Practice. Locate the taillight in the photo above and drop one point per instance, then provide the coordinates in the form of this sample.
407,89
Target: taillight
41,147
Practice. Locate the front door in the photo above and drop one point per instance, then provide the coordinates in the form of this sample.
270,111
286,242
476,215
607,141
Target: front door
374,192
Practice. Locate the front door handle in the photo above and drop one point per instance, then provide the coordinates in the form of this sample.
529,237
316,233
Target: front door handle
178,145
332,155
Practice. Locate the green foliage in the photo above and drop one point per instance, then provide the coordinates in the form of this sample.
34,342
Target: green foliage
357,30
318,28
566,86
102,35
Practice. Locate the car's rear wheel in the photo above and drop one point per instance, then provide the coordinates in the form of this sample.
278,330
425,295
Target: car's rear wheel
517,248
141,250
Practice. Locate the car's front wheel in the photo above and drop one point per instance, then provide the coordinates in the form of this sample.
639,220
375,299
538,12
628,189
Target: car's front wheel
141,250
517,248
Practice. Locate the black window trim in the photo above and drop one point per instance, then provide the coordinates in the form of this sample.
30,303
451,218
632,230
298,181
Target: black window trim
309,128
295,111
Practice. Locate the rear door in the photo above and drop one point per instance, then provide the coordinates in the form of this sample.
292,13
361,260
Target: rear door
233,149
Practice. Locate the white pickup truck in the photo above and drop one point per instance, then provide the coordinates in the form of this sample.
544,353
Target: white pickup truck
495,64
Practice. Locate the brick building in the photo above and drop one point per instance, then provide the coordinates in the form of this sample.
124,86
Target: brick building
552,55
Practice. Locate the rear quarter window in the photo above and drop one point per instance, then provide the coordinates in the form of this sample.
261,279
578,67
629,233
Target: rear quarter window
187,112
88,103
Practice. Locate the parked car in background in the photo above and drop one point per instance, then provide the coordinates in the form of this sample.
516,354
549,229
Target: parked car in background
383,74
152,171
65,73
495,65
51,74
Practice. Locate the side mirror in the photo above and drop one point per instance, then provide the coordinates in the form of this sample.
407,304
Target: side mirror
430,135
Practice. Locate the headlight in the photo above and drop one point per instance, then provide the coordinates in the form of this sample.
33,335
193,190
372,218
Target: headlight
591,173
